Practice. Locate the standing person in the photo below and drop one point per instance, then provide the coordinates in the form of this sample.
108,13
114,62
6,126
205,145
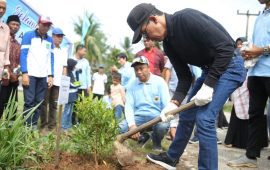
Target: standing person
126,71
238,128
13,22
191,37
118,96
171,79
72,97
259,88
37,66
83,70
99,81
82,74
154,56
4,43
48,117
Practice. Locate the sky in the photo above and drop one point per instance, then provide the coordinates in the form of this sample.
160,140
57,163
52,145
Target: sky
112,14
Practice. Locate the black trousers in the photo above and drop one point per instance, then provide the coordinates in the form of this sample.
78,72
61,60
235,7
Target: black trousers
5,93
259,90
48,116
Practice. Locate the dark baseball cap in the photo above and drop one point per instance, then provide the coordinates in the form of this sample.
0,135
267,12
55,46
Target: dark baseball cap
136,18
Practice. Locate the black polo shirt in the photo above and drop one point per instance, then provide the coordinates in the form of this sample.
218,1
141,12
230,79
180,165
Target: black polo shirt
197,39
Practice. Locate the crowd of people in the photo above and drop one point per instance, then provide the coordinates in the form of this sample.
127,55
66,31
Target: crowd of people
200,63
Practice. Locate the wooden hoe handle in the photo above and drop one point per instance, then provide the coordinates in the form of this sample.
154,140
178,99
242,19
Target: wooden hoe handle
121,138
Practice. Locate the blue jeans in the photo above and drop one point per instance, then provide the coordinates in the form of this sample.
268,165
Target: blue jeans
159,130
205,116
118,110
67,116
33,95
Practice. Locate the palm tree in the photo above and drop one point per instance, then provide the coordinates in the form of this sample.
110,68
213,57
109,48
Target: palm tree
95,39
126,45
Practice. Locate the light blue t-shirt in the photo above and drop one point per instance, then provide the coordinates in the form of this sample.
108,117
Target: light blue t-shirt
261,38
127,74
144,99
85,74
173,79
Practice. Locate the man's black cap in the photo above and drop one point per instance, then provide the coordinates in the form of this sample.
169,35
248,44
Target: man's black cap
136,18
13,18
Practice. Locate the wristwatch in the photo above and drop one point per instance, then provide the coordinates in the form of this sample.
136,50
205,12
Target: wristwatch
266,50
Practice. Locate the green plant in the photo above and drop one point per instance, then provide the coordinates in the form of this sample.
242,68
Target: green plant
14,136
97,129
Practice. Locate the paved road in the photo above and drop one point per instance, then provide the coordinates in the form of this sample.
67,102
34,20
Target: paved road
190,157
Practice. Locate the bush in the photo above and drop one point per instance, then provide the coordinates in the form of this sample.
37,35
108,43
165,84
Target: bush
97,129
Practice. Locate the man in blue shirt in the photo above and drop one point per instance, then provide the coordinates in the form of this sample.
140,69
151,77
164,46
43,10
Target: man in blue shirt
37,66
126,71
146,96
82,74
259,89
83,70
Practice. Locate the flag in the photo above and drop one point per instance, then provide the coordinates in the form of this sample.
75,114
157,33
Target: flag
85,27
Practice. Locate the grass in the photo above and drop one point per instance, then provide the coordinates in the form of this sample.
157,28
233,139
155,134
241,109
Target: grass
228,107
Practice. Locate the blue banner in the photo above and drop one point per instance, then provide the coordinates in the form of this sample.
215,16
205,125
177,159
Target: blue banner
29,20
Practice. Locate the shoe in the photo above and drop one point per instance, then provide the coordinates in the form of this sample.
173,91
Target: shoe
194,140
219,141
163,160
143,139
243,161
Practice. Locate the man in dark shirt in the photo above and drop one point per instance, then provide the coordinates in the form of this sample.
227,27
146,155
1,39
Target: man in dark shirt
191,37
9,86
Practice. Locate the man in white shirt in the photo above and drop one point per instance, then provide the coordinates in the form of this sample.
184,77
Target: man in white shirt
99,80
48,117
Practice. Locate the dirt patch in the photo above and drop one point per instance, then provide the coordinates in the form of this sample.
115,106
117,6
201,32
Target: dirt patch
78,162
83,162
70,161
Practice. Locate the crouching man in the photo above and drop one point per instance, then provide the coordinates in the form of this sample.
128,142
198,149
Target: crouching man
146,96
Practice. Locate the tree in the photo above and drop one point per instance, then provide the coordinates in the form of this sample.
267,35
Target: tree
126,45
95,40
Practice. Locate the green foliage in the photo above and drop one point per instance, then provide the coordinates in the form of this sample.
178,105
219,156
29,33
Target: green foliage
127,46
95,40
97,129
21,146
15,137
227,107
